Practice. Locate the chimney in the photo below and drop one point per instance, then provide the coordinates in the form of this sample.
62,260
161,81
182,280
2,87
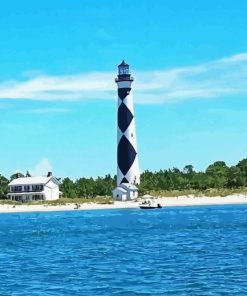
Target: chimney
49,174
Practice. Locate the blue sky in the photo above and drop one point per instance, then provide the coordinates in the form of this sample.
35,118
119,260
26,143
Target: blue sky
58,98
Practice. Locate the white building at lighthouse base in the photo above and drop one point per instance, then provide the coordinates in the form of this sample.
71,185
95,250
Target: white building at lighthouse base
125,191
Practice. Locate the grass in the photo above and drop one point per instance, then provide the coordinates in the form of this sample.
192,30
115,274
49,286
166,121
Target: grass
97,199
212,192
63,201
109,200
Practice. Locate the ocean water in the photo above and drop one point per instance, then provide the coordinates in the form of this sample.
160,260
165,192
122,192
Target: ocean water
169,251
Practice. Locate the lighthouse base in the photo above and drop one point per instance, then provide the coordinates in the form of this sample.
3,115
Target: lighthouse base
125,192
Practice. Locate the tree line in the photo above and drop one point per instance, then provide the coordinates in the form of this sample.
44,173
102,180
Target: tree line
217,175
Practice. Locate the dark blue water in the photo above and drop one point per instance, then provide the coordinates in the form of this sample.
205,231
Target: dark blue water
171,251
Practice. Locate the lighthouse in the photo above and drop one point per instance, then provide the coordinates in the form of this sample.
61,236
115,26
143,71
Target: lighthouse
128,175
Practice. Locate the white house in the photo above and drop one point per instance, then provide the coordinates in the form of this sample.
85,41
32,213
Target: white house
34,188
125,191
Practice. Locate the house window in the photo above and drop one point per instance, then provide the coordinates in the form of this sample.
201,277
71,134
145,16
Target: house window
34,187
37,197
37,187
16,188
26,188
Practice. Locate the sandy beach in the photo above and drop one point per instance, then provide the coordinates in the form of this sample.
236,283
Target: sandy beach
164,201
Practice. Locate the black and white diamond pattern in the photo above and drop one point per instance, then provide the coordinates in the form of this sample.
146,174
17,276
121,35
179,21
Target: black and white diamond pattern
124,117
123,92
125,155
126,152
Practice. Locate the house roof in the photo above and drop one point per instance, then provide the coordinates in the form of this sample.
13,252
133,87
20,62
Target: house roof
31,180
120,189
128,186
123,64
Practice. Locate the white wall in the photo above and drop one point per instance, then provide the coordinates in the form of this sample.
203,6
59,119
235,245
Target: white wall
51,190
128,195
119,194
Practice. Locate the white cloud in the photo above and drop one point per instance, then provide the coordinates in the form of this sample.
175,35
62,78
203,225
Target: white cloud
235,58
223,77
42,168
59,87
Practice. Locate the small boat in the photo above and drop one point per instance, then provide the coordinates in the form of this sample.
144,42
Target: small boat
149,204
150,207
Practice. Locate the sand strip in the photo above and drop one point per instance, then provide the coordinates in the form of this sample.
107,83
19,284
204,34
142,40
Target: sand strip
164,201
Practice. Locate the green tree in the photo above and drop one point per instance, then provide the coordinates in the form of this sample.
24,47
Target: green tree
218,171
242,176
16,175
3,187
188,169
68,188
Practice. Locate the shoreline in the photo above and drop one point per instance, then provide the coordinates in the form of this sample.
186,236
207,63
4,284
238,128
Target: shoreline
182,201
